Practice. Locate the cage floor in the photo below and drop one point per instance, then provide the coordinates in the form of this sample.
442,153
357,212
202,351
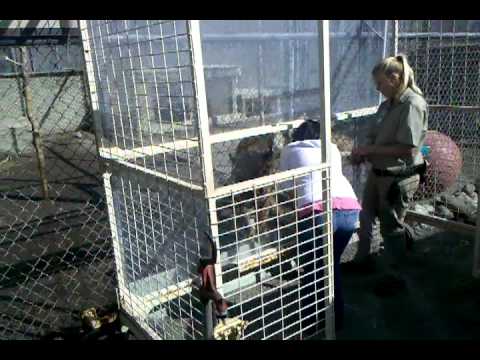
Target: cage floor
271,311
278,318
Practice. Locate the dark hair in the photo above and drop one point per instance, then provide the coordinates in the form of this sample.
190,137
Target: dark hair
308,130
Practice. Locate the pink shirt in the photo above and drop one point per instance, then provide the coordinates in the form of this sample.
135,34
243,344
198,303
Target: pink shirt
338,203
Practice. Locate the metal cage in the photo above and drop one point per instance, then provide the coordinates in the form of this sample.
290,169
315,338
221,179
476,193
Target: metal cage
174,130
166,124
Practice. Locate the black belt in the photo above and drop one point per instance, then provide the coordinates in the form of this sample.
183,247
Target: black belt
413,170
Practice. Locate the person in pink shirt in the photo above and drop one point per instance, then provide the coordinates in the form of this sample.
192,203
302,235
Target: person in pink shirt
305,150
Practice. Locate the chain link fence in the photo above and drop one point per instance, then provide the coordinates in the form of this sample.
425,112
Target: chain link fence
445,55
55,250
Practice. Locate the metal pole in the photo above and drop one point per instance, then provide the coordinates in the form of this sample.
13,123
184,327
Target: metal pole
260,76
291,78
90,85
325,134
384,53
476,251
203,127
395,37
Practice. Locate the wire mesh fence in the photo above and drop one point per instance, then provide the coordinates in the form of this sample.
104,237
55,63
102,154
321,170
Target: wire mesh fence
55,250
445,55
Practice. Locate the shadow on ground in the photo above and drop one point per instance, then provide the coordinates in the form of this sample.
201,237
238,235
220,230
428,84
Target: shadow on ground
442,300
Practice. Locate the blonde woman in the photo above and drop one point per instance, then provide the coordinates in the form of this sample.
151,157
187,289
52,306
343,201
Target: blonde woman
393,151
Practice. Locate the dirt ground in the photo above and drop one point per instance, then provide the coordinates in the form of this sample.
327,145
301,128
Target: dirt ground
442,300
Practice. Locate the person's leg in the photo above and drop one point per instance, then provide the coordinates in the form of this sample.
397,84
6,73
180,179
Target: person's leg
368,214
392,214
344,225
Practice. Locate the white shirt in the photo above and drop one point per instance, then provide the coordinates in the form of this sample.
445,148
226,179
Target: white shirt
309,188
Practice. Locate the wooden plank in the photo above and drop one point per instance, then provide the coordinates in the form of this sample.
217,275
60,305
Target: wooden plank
254,262
230,329
413,216
165,295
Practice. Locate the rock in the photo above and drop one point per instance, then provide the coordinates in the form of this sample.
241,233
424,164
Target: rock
443,212
474,197
461,204
429,208
470,203
77,135
425,209
469,189
124,329
422,230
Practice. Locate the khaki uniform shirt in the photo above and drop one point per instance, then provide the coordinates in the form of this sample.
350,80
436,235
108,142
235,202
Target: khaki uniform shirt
404,123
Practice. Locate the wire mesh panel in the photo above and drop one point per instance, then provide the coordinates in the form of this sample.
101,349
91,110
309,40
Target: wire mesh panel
274,258
178,112
142,72
157,230
146,96
56,257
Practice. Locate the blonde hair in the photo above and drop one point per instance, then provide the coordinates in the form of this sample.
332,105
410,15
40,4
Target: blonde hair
398,65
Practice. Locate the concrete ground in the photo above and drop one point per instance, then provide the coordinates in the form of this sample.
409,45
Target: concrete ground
55,257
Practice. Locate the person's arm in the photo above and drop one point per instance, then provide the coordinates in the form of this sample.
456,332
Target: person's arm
356,157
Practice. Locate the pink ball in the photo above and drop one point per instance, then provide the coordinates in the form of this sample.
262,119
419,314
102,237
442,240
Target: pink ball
446,163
